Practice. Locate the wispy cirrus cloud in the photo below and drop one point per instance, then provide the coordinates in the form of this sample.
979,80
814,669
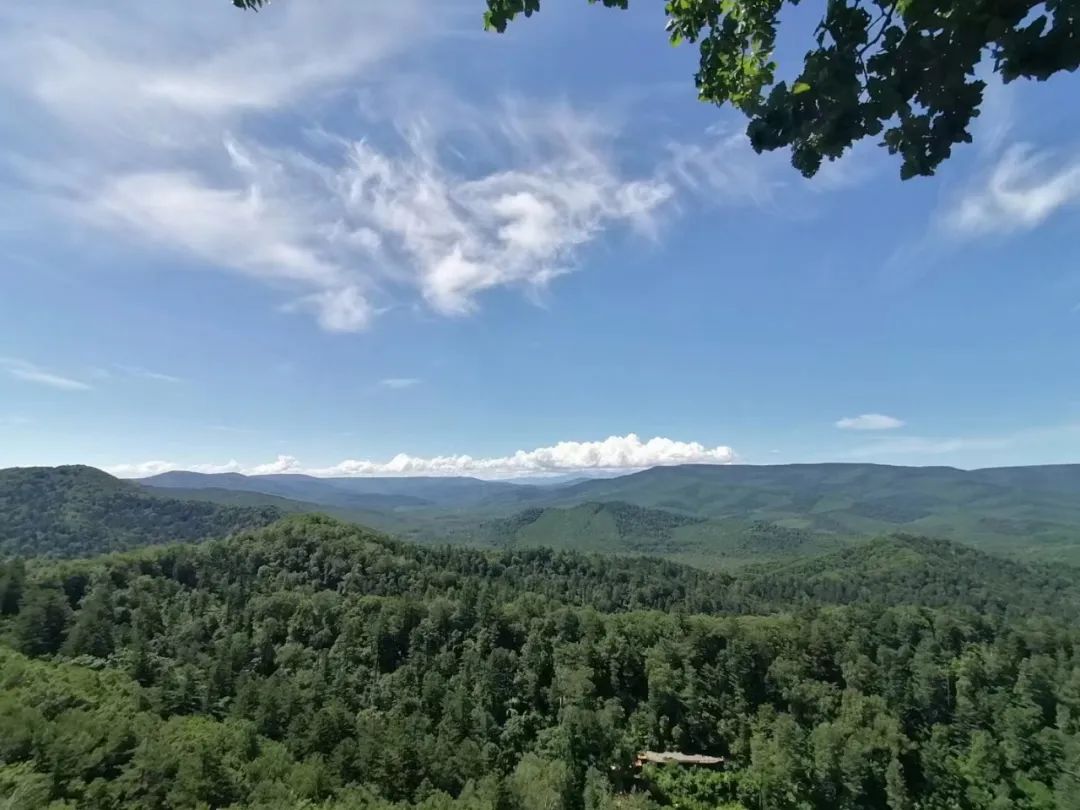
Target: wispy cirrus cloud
135,372
153,376
398,383
1021,190
221,138
614,453
137,106
29,372
157,76
398,220
869,421
720,163
1011,188
1049,441
518,225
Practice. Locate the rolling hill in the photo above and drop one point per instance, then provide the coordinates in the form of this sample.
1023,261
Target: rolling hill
75,511
615,527
1031,511
906,569
294,487
361,493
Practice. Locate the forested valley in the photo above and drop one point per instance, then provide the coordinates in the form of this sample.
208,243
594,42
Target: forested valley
316,664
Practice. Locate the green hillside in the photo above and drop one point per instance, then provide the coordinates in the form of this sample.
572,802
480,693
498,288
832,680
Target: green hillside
75,511
316,664
902,569
1023,511
385,520
622,528
606,527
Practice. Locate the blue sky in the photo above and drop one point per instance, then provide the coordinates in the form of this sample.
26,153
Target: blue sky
376,239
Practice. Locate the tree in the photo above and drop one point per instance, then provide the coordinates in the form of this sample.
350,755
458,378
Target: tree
901,69
91,633
42,622
12,583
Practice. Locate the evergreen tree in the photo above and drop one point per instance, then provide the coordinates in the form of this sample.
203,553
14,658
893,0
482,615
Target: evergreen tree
42,623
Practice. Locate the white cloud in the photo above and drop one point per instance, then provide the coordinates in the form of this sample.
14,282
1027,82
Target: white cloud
1022,190
373,219
235,227
338,309
399,382
28,372
453,236
147,374
869,421
997,115
144,469
337,222
615,453
236,140
282,464
724,163
157,76
1047,442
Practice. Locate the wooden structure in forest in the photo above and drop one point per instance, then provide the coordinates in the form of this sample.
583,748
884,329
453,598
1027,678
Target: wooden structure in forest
677,758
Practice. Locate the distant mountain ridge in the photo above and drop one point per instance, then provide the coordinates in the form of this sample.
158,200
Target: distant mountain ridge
1023,511
711,516
382,492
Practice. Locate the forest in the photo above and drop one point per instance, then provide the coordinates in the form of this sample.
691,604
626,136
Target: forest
76,511
317,664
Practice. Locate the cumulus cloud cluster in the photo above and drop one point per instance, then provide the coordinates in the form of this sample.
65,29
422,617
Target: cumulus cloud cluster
615,453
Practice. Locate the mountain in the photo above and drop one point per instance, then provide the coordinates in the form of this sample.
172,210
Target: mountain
72,511
1025,512
608,527
1032,512
294,487
361,493
1056,478
906,569
391,520
615,527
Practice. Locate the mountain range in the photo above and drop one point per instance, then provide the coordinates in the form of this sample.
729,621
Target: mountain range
704,514
709,516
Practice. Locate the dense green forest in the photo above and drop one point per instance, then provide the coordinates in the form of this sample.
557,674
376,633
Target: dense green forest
73,511
316,664
615,527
